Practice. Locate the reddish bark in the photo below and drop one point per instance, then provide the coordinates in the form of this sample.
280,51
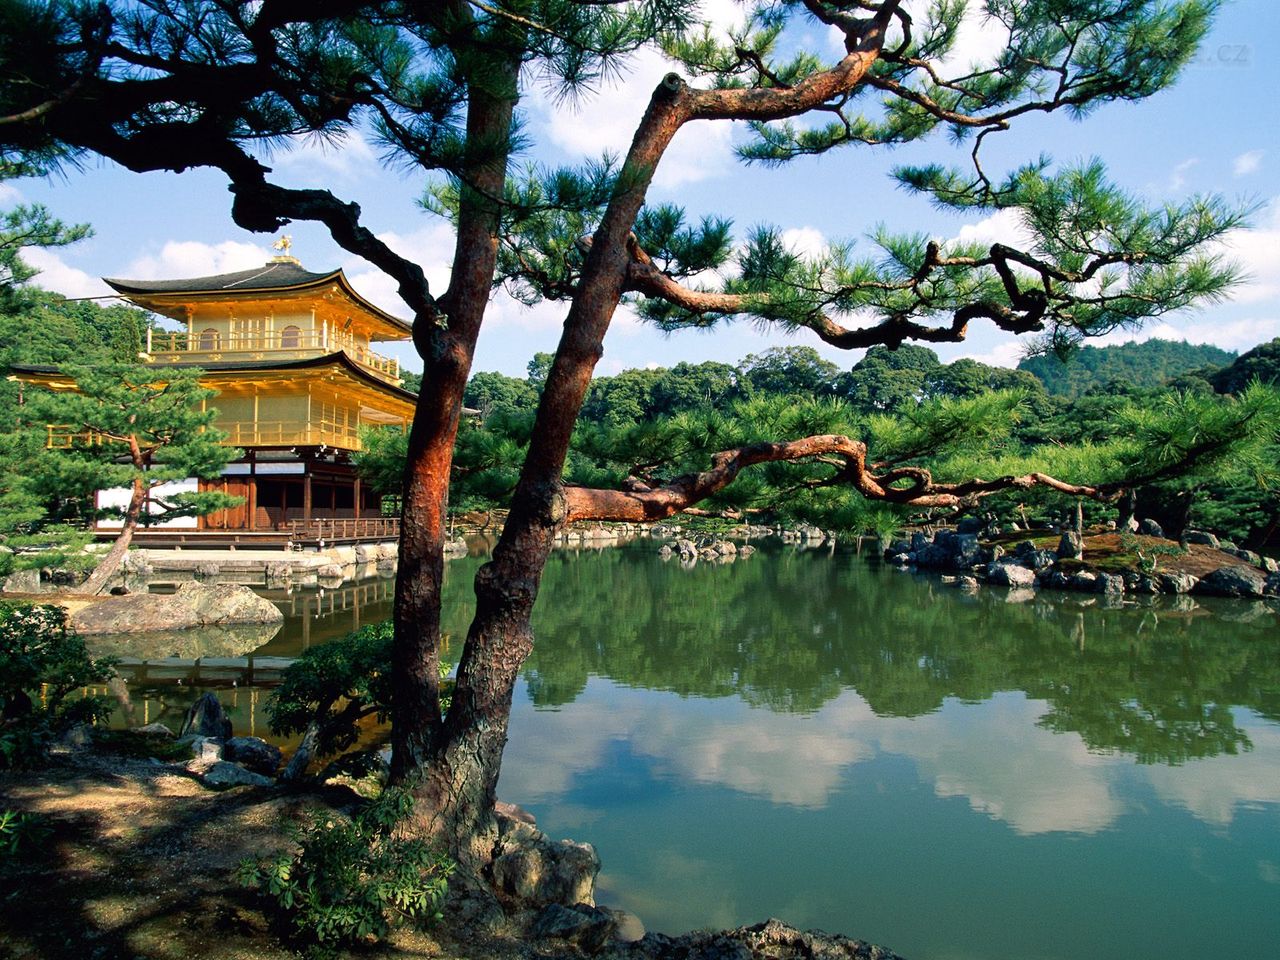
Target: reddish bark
107,567
446,340
460,782
647,505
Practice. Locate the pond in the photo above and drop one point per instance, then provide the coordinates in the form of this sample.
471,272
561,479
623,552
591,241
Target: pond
813,736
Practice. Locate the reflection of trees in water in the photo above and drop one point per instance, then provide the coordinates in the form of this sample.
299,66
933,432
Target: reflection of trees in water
790,631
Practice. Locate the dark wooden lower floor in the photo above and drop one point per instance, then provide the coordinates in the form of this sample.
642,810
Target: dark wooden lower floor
287,498
273,502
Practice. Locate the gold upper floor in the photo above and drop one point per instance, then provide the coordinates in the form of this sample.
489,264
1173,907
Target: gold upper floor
277,312
323,405
266,339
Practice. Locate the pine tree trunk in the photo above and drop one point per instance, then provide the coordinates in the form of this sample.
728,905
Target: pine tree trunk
458,765
1128,508
110,564
447,348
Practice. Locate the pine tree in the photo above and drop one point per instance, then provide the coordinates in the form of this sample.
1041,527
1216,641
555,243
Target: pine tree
125,426
174,85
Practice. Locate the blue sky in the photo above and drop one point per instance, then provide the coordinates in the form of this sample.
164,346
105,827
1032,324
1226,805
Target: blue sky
1217,130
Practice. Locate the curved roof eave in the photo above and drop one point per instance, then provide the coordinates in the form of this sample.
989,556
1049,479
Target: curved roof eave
271,278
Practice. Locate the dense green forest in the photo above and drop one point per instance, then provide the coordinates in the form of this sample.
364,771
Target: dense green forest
1146,365
643,425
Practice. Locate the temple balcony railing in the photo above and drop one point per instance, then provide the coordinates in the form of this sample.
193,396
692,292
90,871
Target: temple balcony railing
61,436
198,348
289,433
240,433
340,529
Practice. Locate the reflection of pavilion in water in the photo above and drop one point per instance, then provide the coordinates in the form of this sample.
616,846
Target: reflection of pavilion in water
161,689
313,617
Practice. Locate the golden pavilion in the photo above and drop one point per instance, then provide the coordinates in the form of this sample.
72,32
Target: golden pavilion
289,353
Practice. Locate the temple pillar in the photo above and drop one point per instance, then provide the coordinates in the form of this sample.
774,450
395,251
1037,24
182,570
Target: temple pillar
253,492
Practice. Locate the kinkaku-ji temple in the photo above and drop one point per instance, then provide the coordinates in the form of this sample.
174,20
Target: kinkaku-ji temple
288,352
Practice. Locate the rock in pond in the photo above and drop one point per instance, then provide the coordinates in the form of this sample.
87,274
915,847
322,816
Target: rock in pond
191,605
156,729
589,928
1177,582
773,939
1010,575
1244,582
531,866
1149,528
1070,546
206,718
225,774
254,753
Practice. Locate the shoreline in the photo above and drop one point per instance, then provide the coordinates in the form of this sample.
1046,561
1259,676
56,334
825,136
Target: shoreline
141,857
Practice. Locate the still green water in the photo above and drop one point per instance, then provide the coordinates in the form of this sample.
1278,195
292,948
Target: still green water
815,737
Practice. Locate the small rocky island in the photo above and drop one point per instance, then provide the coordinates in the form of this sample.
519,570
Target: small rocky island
1139,561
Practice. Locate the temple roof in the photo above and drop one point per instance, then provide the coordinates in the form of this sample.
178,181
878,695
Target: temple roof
247,366
270,276
282,276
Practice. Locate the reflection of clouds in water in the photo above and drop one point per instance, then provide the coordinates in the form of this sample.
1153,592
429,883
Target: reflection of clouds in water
548,748
684,879
789,759
992,754
1268,872
786,758
1007,767
1212,789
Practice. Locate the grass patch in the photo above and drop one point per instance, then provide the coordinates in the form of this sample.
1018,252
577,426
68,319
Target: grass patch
140,746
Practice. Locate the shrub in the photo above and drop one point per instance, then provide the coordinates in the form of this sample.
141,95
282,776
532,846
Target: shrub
350,880
42,663
327,691
19,832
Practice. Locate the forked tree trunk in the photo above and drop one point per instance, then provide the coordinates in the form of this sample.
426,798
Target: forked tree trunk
447,345
457,767
456,761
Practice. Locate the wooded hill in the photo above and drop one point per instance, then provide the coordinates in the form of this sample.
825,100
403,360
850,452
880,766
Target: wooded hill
1145,365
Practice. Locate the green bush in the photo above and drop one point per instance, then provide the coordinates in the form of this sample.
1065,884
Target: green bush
327,691
350,880
19,832
42,663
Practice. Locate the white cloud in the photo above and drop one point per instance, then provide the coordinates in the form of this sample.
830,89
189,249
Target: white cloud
1003,226
431,247
318,161
1257,251
606,121
193,258
1178,176
806,241
978,41
1007,354
1247,163
723,15
59,276
9,194
1238,334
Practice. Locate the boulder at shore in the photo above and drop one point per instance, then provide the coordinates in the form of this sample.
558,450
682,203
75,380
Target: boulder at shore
192,605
